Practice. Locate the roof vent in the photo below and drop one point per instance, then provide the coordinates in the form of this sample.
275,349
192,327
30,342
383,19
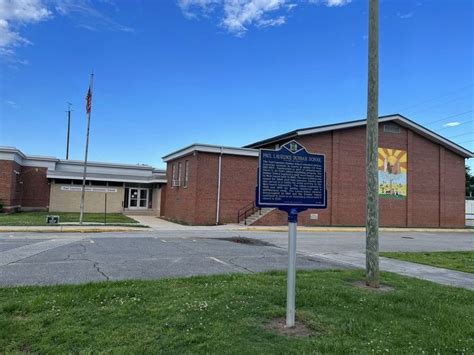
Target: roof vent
391,128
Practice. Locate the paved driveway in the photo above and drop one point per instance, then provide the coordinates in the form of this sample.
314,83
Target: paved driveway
73,259
52,258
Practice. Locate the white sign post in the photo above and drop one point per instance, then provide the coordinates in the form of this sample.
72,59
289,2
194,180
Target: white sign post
291,282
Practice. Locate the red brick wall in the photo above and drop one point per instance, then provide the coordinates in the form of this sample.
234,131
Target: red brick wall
179,202
29,188
10,187
453,205
206,192
35,187
238,176
435,180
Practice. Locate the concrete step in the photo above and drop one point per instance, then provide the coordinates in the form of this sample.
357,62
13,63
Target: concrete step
132,212
256,216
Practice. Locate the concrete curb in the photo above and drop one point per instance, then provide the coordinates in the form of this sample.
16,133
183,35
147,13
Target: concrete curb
354,229
71,229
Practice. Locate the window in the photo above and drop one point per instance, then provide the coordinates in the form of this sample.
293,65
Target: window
175,182
173,174
186,173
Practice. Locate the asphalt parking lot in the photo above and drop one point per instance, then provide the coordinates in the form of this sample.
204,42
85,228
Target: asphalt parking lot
91,258
60,258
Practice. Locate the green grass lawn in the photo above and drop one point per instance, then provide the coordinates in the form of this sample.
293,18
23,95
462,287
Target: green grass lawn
455,260
228,314
38,218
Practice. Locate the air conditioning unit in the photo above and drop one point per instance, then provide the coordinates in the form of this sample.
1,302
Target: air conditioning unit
176,183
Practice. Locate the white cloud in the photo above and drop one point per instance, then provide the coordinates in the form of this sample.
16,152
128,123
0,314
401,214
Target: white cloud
190,6
12,104
331,3
236,16
13,15
239,14
405,16
452,124
337,2
88,17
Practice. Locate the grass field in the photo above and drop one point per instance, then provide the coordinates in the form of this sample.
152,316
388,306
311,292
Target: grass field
38,218
455,260
229,313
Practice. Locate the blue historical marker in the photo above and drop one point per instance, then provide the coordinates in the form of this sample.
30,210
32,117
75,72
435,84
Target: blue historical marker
292,180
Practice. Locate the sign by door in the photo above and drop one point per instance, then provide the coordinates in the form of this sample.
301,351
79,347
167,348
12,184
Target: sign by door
88,189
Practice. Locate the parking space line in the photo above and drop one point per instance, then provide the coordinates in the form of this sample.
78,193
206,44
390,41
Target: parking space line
219,261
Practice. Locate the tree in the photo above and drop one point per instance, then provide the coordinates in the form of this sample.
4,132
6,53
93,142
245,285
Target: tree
469,182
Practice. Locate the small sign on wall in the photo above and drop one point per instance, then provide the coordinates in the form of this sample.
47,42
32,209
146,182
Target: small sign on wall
88,189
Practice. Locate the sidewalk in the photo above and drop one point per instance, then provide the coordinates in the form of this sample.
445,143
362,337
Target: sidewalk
156,223
353,229
71,229
419,271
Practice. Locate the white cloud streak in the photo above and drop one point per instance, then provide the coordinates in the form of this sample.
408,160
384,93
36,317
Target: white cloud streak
15,14
452,124
405,16
12,104
87,16
236,16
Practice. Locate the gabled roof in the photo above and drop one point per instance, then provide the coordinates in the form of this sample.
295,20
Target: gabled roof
397,118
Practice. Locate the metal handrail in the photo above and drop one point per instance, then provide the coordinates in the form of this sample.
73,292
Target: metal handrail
246,211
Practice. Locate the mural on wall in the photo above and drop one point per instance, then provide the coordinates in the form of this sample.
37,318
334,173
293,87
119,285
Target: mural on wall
392,164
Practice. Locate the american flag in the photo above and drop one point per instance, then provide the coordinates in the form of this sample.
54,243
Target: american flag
89,101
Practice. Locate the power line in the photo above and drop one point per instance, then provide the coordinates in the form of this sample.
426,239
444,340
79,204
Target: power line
439,104
436,98
472,140
445,118
460,123
462,134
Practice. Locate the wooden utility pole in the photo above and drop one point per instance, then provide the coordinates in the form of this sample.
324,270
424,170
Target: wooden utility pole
372,179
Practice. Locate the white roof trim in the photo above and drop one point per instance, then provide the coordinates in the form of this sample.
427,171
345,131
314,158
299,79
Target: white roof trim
207,148
52,175
397,118
110,165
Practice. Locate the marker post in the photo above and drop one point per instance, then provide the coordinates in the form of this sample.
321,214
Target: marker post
292,180
291,280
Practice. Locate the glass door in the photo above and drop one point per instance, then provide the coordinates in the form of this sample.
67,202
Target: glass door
138,198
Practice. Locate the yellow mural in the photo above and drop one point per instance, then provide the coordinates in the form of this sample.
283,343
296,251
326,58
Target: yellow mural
392,166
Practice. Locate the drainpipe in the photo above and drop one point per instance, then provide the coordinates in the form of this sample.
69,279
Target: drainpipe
219,171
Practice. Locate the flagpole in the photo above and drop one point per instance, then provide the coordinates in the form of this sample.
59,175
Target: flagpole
89,109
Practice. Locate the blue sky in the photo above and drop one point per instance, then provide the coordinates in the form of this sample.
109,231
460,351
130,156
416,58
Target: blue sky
172,73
